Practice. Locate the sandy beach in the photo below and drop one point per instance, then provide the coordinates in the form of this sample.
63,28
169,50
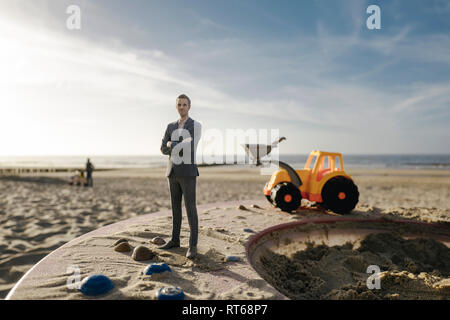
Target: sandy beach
41,213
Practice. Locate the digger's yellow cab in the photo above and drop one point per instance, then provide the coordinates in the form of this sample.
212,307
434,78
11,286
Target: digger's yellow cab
321,167
321,162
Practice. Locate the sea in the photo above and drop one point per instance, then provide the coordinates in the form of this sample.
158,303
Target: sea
354,161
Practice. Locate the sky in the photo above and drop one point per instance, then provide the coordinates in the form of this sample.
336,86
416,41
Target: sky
311,70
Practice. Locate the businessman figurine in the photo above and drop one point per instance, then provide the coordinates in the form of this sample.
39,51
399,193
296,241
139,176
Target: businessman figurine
180,143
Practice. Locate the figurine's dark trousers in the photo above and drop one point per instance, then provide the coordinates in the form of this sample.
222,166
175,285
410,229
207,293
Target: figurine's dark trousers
184,187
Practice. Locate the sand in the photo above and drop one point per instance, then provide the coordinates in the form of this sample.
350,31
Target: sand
412,269
39,214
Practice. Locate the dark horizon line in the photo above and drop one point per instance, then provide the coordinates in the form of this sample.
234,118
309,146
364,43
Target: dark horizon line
281,154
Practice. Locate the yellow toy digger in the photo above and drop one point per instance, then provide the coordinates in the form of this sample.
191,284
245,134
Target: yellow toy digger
322,180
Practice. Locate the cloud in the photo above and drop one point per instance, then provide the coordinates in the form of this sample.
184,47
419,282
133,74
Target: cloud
62,76
426,98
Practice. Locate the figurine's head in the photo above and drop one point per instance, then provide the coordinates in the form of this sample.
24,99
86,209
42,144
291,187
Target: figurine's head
183,105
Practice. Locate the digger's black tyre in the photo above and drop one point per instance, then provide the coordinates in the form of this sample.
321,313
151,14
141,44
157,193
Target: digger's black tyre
286,196
340,195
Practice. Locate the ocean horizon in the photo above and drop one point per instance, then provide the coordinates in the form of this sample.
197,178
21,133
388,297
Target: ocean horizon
355,161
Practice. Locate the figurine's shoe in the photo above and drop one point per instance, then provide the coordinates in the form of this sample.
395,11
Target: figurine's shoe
170,244
191,253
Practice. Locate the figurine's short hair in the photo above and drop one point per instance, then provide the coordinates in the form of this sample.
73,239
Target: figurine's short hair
183,96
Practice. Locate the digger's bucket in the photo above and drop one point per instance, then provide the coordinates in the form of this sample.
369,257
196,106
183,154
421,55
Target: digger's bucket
258,151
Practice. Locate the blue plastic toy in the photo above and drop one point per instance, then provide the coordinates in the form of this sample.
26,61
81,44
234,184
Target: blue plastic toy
95,285
170,293
232,259
156,268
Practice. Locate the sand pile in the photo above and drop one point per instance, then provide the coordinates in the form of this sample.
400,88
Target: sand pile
410,269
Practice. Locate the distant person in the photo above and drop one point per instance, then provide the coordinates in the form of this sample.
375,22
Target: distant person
182,135
81,180
89,169
75,178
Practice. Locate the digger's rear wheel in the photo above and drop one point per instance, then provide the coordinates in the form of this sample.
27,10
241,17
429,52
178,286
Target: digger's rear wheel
340,195
286,196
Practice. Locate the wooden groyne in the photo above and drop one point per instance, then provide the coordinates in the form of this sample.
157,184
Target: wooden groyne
11,171
17,171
